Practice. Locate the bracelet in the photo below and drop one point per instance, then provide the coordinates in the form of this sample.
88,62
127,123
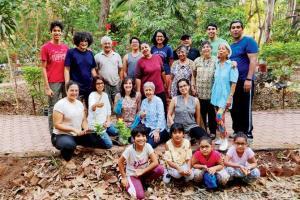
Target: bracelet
249,79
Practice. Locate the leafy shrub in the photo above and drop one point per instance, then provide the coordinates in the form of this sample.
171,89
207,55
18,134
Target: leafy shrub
281,58
34,80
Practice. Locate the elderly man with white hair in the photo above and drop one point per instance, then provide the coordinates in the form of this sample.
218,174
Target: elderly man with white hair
153,116
109,66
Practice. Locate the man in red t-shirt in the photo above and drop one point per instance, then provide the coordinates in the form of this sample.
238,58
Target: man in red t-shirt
53,55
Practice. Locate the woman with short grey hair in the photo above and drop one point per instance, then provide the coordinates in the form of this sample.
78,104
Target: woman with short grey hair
153,116
181,68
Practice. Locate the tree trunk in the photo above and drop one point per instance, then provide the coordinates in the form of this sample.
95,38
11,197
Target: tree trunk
269,19
291,11
13,82
104,12
260,25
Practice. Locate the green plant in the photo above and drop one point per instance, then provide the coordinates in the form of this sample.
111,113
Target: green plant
99,129
34,80
281,58
124,132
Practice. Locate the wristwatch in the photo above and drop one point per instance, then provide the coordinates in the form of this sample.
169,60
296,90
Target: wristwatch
249,79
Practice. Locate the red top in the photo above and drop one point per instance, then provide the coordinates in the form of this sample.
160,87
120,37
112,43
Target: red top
54,55
213,158
150,70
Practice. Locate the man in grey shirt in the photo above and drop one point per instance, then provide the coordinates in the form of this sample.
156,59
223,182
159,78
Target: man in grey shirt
109,66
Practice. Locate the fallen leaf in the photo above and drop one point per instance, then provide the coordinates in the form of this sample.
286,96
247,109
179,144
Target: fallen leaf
108,163
34,180
86,162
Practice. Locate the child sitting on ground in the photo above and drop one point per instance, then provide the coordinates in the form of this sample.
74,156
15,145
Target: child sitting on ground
240,160
208,165
138,169
178,155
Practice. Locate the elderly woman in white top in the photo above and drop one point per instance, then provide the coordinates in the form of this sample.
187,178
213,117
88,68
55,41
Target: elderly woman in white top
70,125
153,116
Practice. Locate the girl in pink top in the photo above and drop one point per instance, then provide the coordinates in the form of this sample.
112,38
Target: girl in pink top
240,160
206,159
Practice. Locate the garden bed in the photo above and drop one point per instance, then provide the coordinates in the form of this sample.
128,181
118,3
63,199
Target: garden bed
95,177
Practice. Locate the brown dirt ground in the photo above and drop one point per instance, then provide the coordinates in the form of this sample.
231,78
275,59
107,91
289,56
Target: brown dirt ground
95,177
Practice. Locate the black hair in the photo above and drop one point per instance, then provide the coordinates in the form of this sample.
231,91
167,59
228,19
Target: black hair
164,34
134,38
70,83
176,127
240,135
56,23
185,36
204,43
95,81
82,36
206,138
213,25
236,21
133,92
139,129
181,80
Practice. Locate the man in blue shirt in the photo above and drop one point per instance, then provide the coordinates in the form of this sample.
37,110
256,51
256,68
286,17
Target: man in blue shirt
244,52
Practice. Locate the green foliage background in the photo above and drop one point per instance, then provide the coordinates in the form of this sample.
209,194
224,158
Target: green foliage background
26,23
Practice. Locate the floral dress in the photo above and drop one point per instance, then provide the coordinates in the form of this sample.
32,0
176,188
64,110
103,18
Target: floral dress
130,106
179,71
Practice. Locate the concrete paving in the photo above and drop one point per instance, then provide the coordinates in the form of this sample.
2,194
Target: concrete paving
28,135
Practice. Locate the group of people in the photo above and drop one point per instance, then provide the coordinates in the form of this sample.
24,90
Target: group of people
160,88
206,165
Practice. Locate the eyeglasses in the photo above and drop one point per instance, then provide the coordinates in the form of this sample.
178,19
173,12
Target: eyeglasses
240,143
181,86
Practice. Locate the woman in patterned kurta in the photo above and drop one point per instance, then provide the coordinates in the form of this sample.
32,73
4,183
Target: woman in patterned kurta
131,101
182,68
204,74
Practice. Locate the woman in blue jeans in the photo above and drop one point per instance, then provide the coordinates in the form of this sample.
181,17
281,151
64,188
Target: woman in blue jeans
71,125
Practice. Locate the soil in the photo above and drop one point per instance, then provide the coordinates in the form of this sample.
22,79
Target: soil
95,177
8,102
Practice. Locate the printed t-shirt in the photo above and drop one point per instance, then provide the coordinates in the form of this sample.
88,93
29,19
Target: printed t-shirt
178,155
54,55
213,158
166,54
136,160
150,70
248,153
